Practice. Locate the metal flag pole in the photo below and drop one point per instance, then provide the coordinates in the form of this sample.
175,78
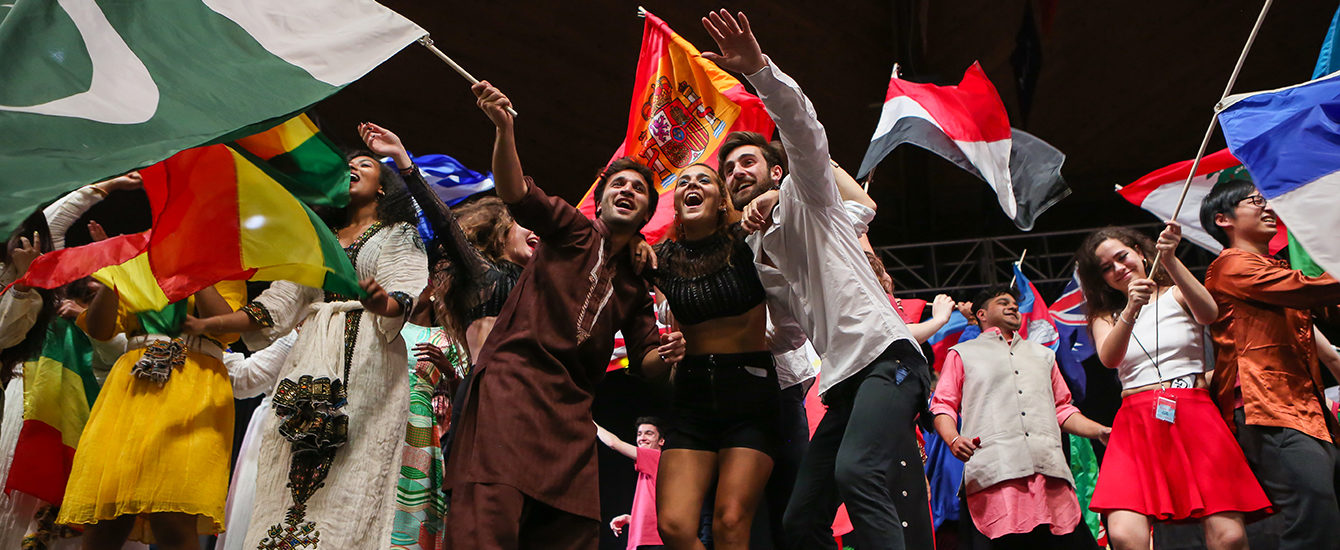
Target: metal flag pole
427,42
1214,121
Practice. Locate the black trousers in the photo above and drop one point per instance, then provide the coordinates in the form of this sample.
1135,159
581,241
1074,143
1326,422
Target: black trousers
1040,538
1298,473
866,437
795,438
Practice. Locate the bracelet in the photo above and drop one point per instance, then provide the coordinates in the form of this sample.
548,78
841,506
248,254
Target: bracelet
951,441
1122,318
408,169
98,190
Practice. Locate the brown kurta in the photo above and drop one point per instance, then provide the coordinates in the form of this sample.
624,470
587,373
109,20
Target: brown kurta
527,420
1263,339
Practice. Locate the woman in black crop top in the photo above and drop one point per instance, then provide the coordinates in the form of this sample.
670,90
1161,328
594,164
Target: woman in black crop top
725,389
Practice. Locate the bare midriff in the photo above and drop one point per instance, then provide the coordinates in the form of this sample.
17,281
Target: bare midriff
742,333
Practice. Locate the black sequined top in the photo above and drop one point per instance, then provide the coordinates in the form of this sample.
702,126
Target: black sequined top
710,278
504,276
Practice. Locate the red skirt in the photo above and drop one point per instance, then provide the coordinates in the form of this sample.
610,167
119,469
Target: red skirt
1174,472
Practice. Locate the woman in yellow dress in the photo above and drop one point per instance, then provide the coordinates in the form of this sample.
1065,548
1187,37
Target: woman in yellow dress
152,463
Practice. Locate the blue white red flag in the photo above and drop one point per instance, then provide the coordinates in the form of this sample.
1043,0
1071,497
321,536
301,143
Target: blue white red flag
1037,319
958,329
1287,140
1072,330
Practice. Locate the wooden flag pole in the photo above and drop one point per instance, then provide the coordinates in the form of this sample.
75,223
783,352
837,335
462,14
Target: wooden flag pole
427,42
1214,121
1019,263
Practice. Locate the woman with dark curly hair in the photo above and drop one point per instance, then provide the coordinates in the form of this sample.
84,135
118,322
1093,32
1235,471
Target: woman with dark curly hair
1170,456
330,457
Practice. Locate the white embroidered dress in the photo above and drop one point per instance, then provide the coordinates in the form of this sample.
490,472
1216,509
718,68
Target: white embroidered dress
354,504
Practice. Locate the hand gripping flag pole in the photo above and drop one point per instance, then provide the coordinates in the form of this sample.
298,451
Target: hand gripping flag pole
427,42
1214,120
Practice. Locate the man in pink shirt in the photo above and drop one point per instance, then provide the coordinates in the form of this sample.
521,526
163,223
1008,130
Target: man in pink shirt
1014,405
646,455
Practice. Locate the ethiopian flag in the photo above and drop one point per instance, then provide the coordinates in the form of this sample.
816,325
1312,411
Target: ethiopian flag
683,107
220,214
58,392
96,88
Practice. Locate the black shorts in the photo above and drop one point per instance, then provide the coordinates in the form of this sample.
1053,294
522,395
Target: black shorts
726,400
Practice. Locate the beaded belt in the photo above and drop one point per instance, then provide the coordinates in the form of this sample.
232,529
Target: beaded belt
163,353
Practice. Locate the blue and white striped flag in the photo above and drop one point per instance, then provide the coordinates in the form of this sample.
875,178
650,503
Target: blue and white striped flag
1289,140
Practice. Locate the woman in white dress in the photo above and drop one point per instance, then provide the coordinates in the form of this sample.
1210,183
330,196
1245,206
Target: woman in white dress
330,455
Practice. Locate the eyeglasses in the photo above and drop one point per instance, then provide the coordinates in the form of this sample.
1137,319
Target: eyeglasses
1256,200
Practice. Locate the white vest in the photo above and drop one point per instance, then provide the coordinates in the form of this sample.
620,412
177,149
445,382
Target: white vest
1008,403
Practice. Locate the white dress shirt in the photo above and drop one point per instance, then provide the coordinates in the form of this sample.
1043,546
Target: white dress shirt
821,276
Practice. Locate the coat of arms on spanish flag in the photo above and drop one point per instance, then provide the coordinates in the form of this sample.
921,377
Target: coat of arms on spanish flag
683,107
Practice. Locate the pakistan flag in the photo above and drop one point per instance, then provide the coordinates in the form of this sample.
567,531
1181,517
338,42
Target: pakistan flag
90,89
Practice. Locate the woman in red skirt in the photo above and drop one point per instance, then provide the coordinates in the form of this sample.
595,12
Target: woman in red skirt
1170,457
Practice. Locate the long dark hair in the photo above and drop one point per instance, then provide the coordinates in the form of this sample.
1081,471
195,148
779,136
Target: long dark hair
1102,300
395,204
31,345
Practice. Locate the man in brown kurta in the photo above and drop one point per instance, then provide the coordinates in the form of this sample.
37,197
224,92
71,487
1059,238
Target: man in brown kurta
522,467
1267,381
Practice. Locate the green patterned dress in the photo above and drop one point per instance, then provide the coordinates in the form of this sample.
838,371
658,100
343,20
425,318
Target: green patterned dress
421,504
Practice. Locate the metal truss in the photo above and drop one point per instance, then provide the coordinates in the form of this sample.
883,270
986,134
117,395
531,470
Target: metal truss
962,267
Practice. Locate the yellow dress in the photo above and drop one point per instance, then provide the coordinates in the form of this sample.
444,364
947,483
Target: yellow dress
148,448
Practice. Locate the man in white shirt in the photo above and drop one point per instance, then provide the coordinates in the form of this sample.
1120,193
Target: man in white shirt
873,379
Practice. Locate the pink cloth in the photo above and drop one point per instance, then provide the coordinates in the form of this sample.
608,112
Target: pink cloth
642,529
1018,505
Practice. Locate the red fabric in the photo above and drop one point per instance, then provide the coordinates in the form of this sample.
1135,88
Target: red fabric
642,530
1186,470
909,310
970,111
193,197
67,265
41,476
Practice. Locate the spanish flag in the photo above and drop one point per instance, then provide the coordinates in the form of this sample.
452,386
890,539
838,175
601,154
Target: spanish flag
58,393
223,212
683,107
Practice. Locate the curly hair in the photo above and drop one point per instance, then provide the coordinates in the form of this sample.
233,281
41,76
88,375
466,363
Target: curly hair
393,206
1102,300
486,222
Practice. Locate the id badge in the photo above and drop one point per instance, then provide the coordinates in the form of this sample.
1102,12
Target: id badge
1165,409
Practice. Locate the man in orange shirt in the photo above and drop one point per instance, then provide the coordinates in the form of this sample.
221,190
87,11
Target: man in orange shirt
1267,381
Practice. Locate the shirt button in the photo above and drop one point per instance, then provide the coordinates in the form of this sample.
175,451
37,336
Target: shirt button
904,524
1021,392
1016,372
1024,413
1025,434
903,463
904,493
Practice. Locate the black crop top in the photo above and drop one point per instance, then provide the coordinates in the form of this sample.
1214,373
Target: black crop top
710,278
503,276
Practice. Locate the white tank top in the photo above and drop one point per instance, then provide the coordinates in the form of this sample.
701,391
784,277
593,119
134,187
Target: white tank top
1179,346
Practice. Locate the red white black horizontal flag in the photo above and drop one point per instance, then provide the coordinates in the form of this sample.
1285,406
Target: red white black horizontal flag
967,125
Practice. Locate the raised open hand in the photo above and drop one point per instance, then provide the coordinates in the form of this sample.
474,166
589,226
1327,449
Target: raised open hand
739,49
384,142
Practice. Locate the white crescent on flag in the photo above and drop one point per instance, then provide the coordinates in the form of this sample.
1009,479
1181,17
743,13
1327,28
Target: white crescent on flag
121,91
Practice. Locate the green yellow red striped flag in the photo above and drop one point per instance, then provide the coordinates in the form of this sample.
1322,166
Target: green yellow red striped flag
58,392
223,213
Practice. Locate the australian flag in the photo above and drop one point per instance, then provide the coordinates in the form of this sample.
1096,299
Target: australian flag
1072,327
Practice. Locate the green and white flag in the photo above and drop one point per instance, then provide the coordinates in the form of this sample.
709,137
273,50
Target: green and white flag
90,89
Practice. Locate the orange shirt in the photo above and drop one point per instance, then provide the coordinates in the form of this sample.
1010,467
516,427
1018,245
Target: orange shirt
1263,342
